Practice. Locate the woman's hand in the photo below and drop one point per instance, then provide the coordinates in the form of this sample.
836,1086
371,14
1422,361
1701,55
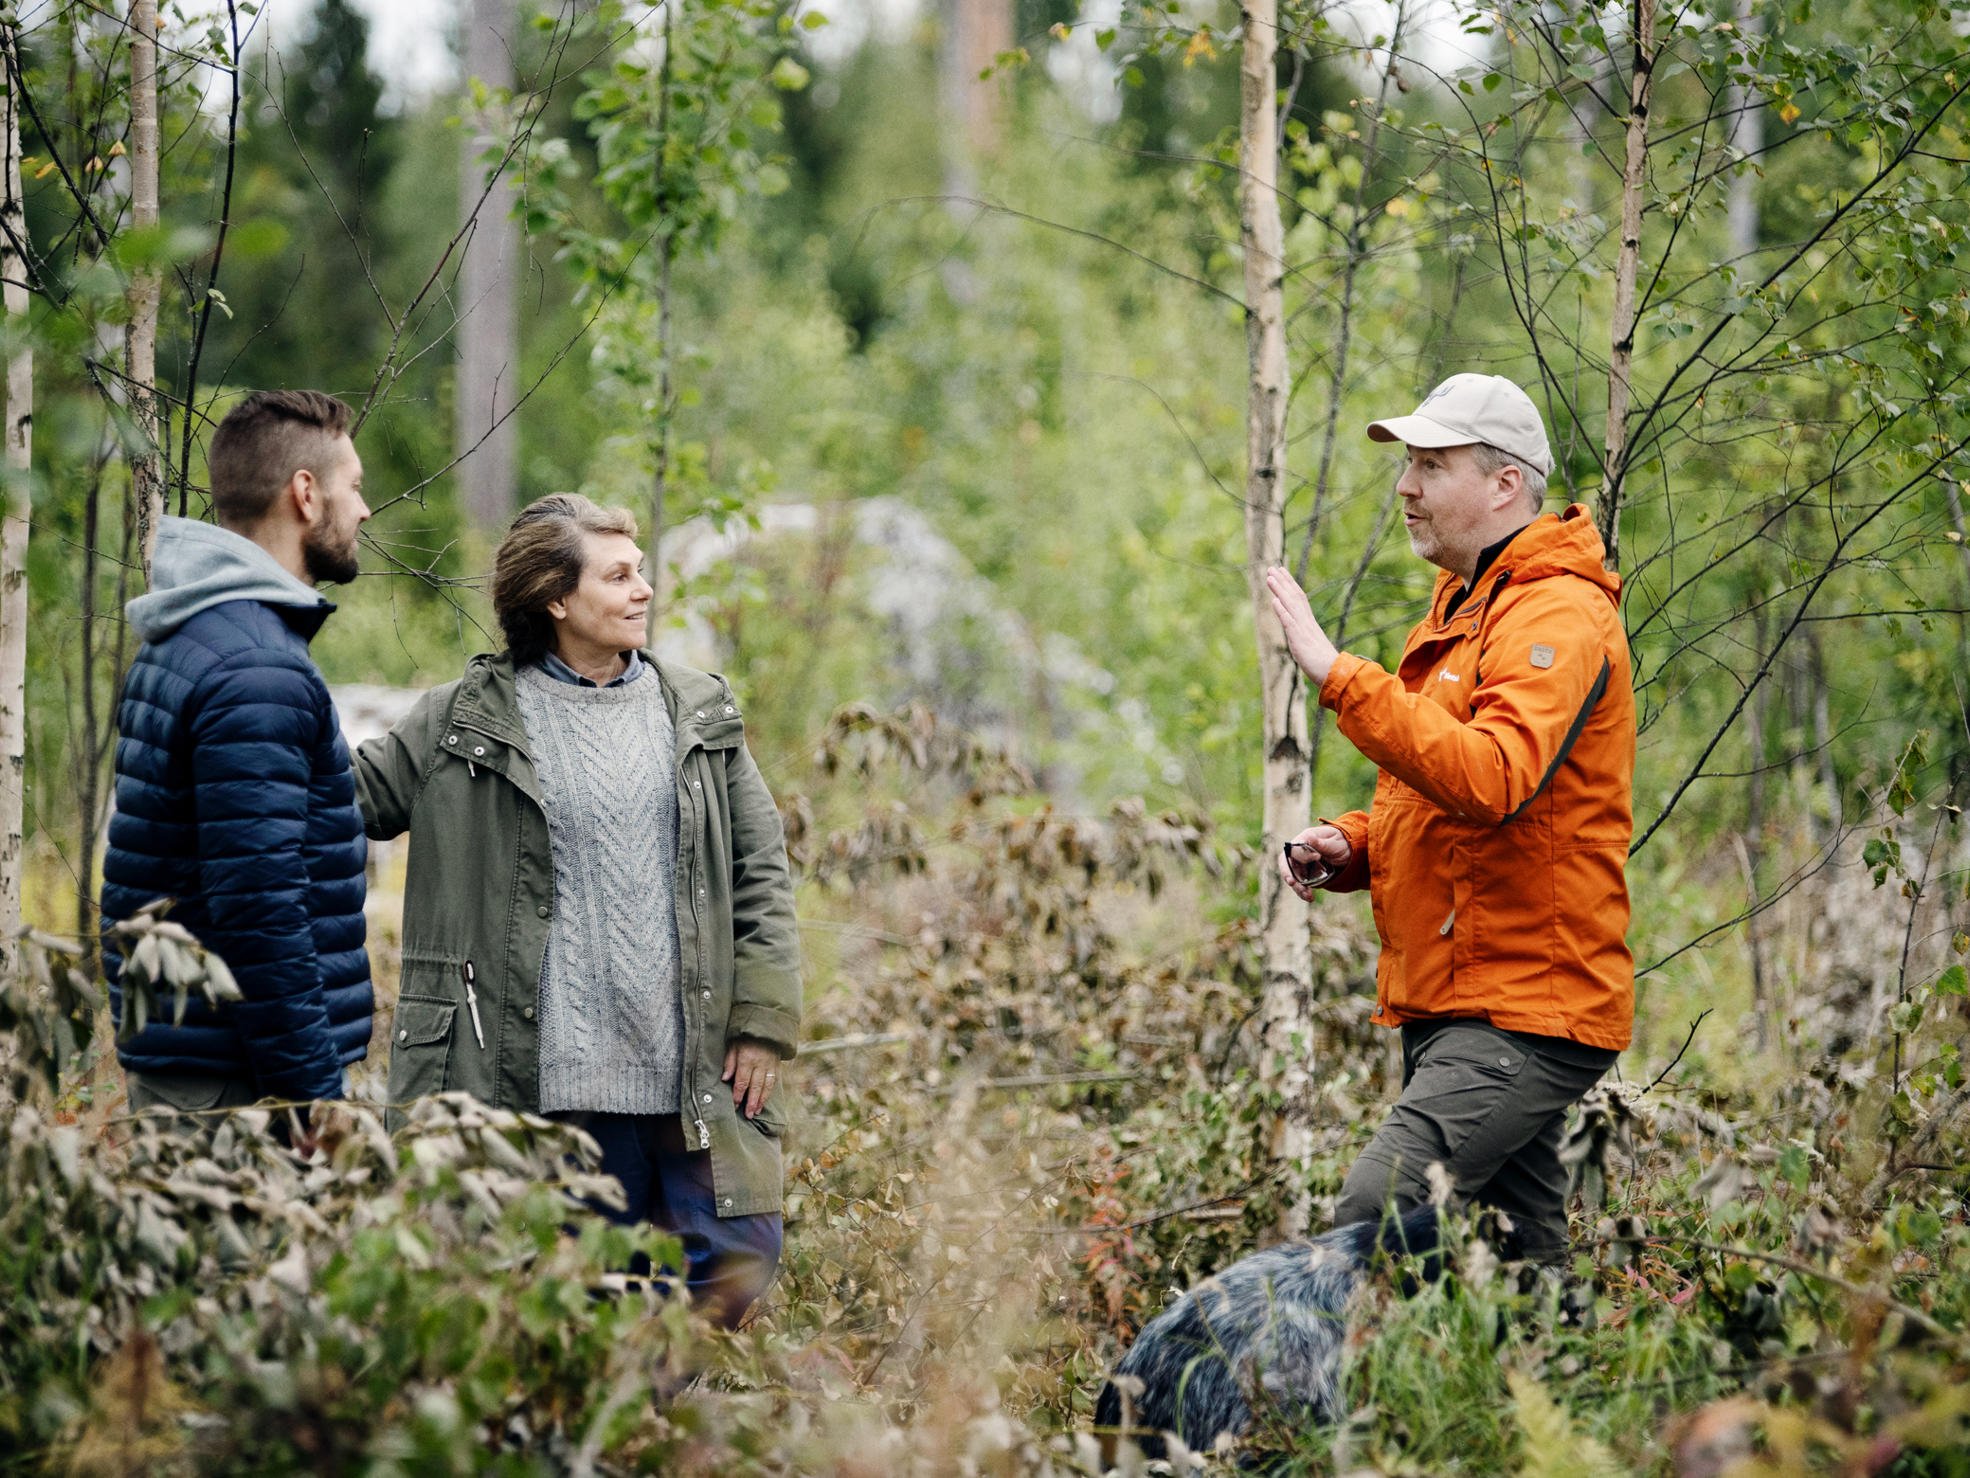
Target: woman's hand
753,1070
1304,638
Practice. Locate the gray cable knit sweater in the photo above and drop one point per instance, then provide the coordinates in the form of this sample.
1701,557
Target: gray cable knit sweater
611,1016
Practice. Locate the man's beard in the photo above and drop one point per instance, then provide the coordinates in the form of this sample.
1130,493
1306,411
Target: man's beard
327,561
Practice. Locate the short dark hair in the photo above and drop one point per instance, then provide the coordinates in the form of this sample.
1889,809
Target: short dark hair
540,560
263,442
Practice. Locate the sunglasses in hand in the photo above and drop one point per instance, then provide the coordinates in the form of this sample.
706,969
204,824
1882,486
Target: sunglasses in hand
1308,867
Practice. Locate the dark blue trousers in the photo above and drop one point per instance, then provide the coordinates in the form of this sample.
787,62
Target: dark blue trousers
729,1261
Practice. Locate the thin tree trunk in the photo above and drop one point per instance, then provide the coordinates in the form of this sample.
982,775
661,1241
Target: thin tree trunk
666,256
188,423
1748,138
1829,776
1286,960
140,340
1355,243
975,34
14,502
88,764
1620,361
1751,846
485,433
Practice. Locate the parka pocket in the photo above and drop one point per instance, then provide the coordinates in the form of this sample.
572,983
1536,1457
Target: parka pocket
771,1120
1466,1085
1479,1054
420,1046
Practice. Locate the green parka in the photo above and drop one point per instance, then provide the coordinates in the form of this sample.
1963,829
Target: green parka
479,895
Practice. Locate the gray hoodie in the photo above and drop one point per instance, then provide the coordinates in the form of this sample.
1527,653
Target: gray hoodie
197,566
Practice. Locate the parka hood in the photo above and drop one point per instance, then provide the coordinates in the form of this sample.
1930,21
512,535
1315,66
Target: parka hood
1561,544
486,697
198,565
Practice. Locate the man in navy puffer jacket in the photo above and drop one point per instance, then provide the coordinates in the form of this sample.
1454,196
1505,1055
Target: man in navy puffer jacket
234,794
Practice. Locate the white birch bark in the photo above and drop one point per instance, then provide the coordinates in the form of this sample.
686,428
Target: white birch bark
1748,138
1285,950
14,505
140,342
972,35
1634,173
666,263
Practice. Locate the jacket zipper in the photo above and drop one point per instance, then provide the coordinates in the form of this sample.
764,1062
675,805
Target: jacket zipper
1444,932
697,861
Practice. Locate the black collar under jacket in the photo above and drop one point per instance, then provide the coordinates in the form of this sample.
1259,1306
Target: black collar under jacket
1487,557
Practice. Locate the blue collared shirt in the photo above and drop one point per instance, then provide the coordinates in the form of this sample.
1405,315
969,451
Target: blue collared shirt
555,668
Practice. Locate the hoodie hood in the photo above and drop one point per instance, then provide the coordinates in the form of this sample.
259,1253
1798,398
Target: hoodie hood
198,565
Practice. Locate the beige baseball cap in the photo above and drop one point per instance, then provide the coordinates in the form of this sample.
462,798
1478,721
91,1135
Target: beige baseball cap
1471,408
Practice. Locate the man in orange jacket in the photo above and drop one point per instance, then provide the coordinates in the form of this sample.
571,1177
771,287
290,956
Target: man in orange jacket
1495,850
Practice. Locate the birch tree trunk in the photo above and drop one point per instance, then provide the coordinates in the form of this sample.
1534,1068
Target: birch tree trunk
1286,958
972,34
14,503
140,341
486,436
1634,173
1748,138
666,262
975,34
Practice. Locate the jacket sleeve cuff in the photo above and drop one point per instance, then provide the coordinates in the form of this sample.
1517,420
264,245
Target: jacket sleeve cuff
779,1029
1345,666
1354,877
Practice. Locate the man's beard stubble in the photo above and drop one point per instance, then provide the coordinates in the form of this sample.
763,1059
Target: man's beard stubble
327,561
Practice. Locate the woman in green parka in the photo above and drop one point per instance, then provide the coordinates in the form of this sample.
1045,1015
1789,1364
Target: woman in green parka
598,915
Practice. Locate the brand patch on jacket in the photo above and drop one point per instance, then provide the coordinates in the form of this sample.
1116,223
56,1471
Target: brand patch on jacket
1542,655
1447,676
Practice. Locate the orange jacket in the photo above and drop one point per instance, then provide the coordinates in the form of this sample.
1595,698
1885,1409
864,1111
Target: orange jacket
1495,851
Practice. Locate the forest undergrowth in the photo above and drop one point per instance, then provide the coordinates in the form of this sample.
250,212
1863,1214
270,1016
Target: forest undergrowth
1025,1117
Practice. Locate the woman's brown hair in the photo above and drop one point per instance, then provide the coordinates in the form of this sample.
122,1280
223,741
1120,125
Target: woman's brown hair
540,560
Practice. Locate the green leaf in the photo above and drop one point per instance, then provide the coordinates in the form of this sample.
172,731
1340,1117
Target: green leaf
1954,981
1493,80
788,75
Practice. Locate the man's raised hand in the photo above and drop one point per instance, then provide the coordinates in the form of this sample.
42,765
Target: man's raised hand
1304,638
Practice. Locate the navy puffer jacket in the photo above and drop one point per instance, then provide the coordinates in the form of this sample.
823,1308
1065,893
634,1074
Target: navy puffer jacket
234,796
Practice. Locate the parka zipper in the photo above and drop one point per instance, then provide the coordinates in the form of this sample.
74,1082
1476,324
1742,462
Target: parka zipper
1444,932
692,799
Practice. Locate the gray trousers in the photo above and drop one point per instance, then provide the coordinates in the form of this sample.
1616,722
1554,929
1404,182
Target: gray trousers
1490,1109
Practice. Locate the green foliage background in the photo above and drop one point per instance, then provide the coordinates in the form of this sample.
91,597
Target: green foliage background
1048,366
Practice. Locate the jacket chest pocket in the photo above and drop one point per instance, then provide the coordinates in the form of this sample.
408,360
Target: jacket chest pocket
422,1033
